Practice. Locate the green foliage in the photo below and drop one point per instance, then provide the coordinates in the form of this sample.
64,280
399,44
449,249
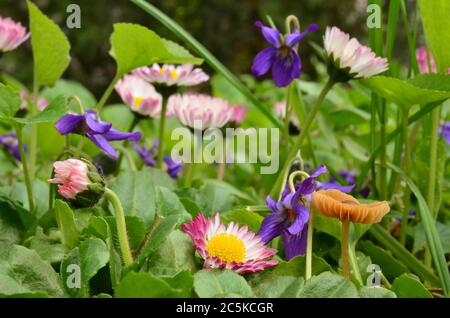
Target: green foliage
143,285
408,286
329,285
220,283
66,223
50,47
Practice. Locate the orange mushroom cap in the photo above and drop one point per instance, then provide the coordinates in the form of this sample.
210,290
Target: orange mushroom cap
336,204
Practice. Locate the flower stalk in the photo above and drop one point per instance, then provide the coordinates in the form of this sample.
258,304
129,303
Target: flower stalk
345,257
127,256
26,172
407,190
162,124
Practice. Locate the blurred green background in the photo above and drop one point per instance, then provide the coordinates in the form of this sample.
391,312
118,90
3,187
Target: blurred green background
226,27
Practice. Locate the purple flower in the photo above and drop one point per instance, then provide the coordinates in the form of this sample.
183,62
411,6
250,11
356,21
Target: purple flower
399,219
173,167
147,155
99,132
347,176
11,144
290,216
444,130
281,56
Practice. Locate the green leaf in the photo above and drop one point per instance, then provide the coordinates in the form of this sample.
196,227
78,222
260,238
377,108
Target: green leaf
408,286
218,283
433,239
167,203
133,46
70,88
119,114
143,285
286,279
424,89
420,237
50,48
9,102
50,114
135,229
183,282
435,19
11,228
66,223
390,266
22,271
182,34
137,191
91,255
376,292
176,253
329,285
243,217
48,247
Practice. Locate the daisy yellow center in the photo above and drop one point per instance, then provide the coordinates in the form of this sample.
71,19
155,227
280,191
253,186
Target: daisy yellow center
227,247
174,74
137,101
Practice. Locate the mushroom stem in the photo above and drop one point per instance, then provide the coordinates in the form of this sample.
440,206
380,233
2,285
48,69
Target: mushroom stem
344,248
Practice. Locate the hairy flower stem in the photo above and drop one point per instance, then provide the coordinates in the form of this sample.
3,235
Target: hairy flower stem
162,124
26,173
345,229
300,139
407,191
125,249
107,93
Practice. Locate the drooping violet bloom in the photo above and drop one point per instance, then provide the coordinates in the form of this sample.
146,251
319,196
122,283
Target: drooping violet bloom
281,57
11,144
350,58
231,247
399,219
99,132
169,75
349,178
25,95
78,182
173,168
140,96
12,34
200,111
290,216
147,155
444,130
238,114
280,110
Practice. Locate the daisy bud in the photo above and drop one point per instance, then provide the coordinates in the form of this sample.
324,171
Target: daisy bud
78,182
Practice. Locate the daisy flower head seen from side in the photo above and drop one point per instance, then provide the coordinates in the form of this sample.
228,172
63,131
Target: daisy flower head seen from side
140,96
350,59
172,75
12,34
231,247
281,57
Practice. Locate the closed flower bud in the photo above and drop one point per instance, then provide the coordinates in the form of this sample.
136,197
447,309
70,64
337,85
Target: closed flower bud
78,182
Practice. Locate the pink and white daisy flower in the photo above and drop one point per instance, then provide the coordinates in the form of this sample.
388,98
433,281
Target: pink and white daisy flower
140,96
71,175
231,247
426,61
238,114
200,111
12,34
349,55
168,74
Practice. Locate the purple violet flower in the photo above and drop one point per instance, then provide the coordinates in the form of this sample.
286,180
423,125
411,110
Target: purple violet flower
444,130
11,144
99,132
399,219
347,176
290,216
281,56
173,167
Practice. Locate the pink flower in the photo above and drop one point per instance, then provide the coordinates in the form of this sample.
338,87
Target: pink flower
12,34
25,95
231,247
423,55
238,114
182,75
71,175
352,57
200,111
280,109
140,96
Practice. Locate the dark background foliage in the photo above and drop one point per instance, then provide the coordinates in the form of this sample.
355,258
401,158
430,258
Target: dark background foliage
226,27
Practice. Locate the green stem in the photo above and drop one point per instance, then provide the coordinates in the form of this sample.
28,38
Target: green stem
304,132
127,155
373,139
344,248
354,264
191,167
26,173
125,249
287,117
433,161
222,164
407,191
107,93
34,132
383,154
162,124
309,244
